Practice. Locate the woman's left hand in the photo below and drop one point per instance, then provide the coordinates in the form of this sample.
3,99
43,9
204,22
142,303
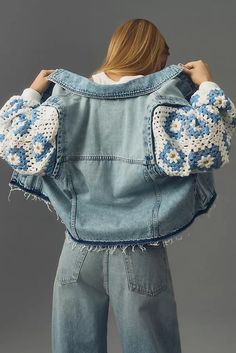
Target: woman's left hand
41,83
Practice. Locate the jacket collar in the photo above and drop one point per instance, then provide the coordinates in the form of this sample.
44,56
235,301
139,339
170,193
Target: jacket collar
139,86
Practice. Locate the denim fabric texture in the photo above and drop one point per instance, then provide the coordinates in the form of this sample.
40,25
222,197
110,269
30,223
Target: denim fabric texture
106,186
115,201
138,286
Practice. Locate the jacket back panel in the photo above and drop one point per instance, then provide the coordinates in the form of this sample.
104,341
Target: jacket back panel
108,189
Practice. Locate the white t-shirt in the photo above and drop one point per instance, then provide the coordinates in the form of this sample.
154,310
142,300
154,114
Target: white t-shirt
102,78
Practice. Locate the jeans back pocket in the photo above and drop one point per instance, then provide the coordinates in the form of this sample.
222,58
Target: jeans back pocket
70,264
147,270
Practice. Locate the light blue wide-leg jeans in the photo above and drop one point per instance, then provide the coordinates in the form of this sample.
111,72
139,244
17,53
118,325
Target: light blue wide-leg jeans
137,284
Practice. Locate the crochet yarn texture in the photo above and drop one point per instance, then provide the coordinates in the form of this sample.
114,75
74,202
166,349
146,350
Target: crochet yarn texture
28,135
189,137
194,137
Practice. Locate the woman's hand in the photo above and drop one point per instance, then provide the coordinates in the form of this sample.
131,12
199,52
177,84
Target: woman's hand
41,83
198,71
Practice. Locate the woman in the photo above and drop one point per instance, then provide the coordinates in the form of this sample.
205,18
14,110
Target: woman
137,283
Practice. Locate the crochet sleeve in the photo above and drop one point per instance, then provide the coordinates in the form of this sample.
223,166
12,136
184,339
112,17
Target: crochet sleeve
28,134
194,136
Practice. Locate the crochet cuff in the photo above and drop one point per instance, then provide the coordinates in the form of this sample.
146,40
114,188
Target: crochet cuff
31,94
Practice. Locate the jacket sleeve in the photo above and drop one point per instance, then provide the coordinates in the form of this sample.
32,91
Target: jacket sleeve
28,133
194,136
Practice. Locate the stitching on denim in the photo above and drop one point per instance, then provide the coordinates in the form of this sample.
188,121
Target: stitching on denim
167,239
106,273
175,72
147,134
74,276
33,191
146,174
104,157
73,205
147,130
132,279
156,209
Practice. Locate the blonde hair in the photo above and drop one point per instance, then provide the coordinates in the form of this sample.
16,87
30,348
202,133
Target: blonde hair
136,47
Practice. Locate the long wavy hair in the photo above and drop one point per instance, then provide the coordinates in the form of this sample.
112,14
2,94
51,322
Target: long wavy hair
136,47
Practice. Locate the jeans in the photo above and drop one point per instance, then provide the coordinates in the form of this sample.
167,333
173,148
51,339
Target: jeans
137,284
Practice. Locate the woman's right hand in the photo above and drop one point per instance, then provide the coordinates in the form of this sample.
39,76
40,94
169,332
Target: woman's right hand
198,71
40,84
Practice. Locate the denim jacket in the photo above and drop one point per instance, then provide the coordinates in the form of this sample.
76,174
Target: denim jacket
125,164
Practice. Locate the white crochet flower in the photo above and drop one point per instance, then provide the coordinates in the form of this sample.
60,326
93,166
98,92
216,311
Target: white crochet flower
172,156
13,158
212,109
205,161
38,147
175,125
220,101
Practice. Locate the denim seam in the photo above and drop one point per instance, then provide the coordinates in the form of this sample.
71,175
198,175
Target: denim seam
148,131
147,134
199,186
32,190
105,272
101,157
150,240
74,277
73,204
116,95
156,209
132,282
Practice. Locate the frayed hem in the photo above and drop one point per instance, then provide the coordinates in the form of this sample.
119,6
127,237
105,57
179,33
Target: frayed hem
112,248
174,238
27,195
107,248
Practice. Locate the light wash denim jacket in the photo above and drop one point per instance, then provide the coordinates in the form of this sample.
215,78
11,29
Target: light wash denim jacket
126,164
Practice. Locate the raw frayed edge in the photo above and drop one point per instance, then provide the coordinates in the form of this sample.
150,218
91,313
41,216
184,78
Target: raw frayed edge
174,238
98,248
111,248
27,195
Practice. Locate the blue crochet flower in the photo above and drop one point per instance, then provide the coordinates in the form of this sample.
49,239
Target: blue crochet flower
214,94
213,114
34,116
16,104
19,102
176,123
21,125
198,128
